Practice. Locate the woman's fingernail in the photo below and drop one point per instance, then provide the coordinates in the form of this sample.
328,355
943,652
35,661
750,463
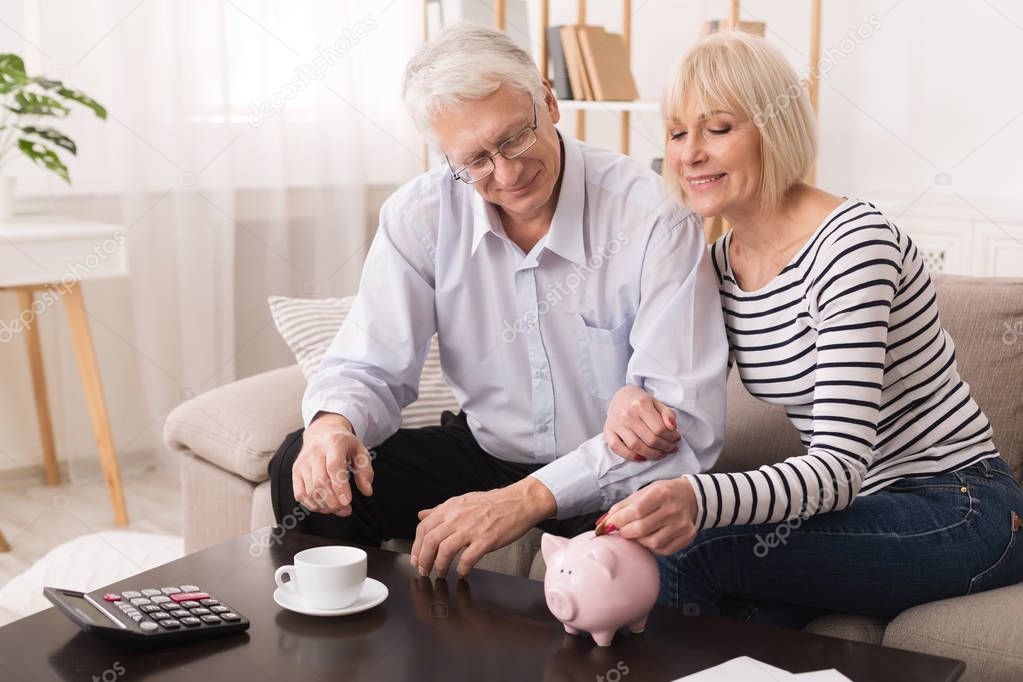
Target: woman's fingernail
641,458
674,449
601,519
610,528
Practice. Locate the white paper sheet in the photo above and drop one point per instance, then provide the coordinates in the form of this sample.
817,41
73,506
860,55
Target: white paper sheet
746,669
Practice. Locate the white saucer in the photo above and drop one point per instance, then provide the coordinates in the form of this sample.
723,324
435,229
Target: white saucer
373,592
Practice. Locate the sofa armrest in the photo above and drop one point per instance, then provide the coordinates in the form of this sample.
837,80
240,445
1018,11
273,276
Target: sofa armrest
239,426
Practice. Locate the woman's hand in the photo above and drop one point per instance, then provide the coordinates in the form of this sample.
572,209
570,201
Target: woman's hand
661,516
640,427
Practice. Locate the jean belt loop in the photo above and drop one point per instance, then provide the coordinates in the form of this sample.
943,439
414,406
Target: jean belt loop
985,466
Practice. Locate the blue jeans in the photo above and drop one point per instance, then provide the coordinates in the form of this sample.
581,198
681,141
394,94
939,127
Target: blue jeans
918,540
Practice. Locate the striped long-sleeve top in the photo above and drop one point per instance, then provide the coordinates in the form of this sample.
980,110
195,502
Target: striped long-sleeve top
848,338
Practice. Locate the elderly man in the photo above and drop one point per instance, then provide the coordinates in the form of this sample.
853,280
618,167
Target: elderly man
553,273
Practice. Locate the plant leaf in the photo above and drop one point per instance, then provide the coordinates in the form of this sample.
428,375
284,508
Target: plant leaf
46,83
84,99
12,73
52,135
43,156
12,63
29,103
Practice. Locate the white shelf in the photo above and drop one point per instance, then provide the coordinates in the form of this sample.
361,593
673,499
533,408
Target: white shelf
37,249
609,105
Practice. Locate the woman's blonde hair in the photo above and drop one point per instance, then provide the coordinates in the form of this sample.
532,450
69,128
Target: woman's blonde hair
744,74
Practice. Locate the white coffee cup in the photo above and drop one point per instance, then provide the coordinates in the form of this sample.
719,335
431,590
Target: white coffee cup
325,577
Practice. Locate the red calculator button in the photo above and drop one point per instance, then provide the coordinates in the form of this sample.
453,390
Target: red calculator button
189,596
112,597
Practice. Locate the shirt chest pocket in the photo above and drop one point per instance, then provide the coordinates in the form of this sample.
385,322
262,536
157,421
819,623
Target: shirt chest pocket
603,356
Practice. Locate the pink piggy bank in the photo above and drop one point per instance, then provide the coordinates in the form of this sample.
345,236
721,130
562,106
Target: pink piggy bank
598,584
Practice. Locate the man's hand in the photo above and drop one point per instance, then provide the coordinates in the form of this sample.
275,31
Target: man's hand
640,427
480,522
320,475
661,516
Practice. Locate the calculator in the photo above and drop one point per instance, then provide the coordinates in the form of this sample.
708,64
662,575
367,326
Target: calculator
149,615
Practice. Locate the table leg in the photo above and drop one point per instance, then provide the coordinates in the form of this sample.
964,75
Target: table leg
74,306
35,359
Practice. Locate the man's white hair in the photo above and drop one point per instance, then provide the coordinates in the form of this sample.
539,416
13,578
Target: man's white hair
465,62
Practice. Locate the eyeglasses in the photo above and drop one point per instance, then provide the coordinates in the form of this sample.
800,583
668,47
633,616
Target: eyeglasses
482,166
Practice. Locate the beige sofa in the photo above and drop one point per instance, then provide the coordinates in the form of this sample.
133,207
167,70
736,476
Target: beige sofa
227,435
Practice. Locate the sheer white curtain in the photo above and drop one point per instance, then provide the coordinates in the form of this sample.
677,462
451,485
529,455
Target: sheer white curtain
243,137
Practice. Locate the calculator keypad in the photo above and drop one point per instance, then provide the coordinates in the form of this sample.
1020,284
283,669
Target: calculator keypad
171,608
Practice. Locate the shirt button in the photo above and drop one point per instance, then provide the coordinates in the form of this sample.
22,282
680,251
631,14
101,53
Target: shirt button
542,428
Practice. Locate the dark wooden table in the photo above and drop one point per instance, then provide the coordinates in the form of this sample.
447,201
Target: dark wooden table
488,627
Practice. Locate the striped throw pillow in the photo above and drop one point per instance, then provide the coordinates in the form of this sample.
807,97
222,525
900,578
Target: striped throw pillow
308,326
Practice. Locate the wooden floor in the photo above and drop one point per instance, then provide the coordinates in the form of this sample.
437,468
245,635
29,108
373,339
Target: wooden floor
35,517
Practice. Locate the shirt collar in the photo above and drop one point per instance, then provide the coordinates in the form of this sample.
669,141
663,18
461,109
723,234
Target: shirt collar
484,219
565,236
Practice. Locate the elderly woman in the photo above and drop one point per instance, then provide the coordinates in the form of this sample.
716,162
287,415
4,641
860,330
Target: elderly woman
900,496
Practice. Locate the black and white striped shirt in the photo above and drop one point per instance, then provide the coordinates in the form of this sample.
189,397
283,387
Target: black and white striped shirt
847,337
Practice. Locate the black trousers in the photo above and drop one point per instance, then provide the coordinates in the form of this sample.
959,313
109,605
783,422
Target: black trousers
414,469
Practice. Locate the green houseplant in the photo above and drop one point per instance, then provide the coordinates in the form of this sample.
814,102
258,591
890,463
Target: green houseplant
26,102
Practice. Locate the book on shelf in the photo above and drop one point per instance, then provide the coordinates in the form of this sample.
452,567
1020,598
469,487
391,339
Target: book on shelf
557,67
595,64
757,28
574,59
607,64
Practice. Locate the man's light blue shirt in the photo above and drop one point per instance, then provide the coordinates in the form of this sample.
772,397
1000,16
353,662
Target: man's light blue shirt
534,345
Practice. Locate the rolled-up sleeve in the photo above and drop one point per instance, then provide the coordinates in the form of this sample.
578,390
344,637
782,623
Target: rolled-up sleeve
372,367
680,356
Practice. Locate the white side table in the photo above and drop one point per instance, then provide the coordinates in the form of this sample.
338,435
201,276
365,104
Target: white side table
50,256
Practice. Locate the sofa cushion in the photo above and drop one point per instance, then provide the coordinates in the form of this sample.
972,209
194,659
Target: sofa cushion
756,433
983,629
309,325
239,426
857,628
982,314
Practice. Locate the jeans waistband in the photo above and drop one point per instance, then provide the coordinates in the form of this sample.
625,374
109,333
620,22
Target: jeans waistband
988,466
